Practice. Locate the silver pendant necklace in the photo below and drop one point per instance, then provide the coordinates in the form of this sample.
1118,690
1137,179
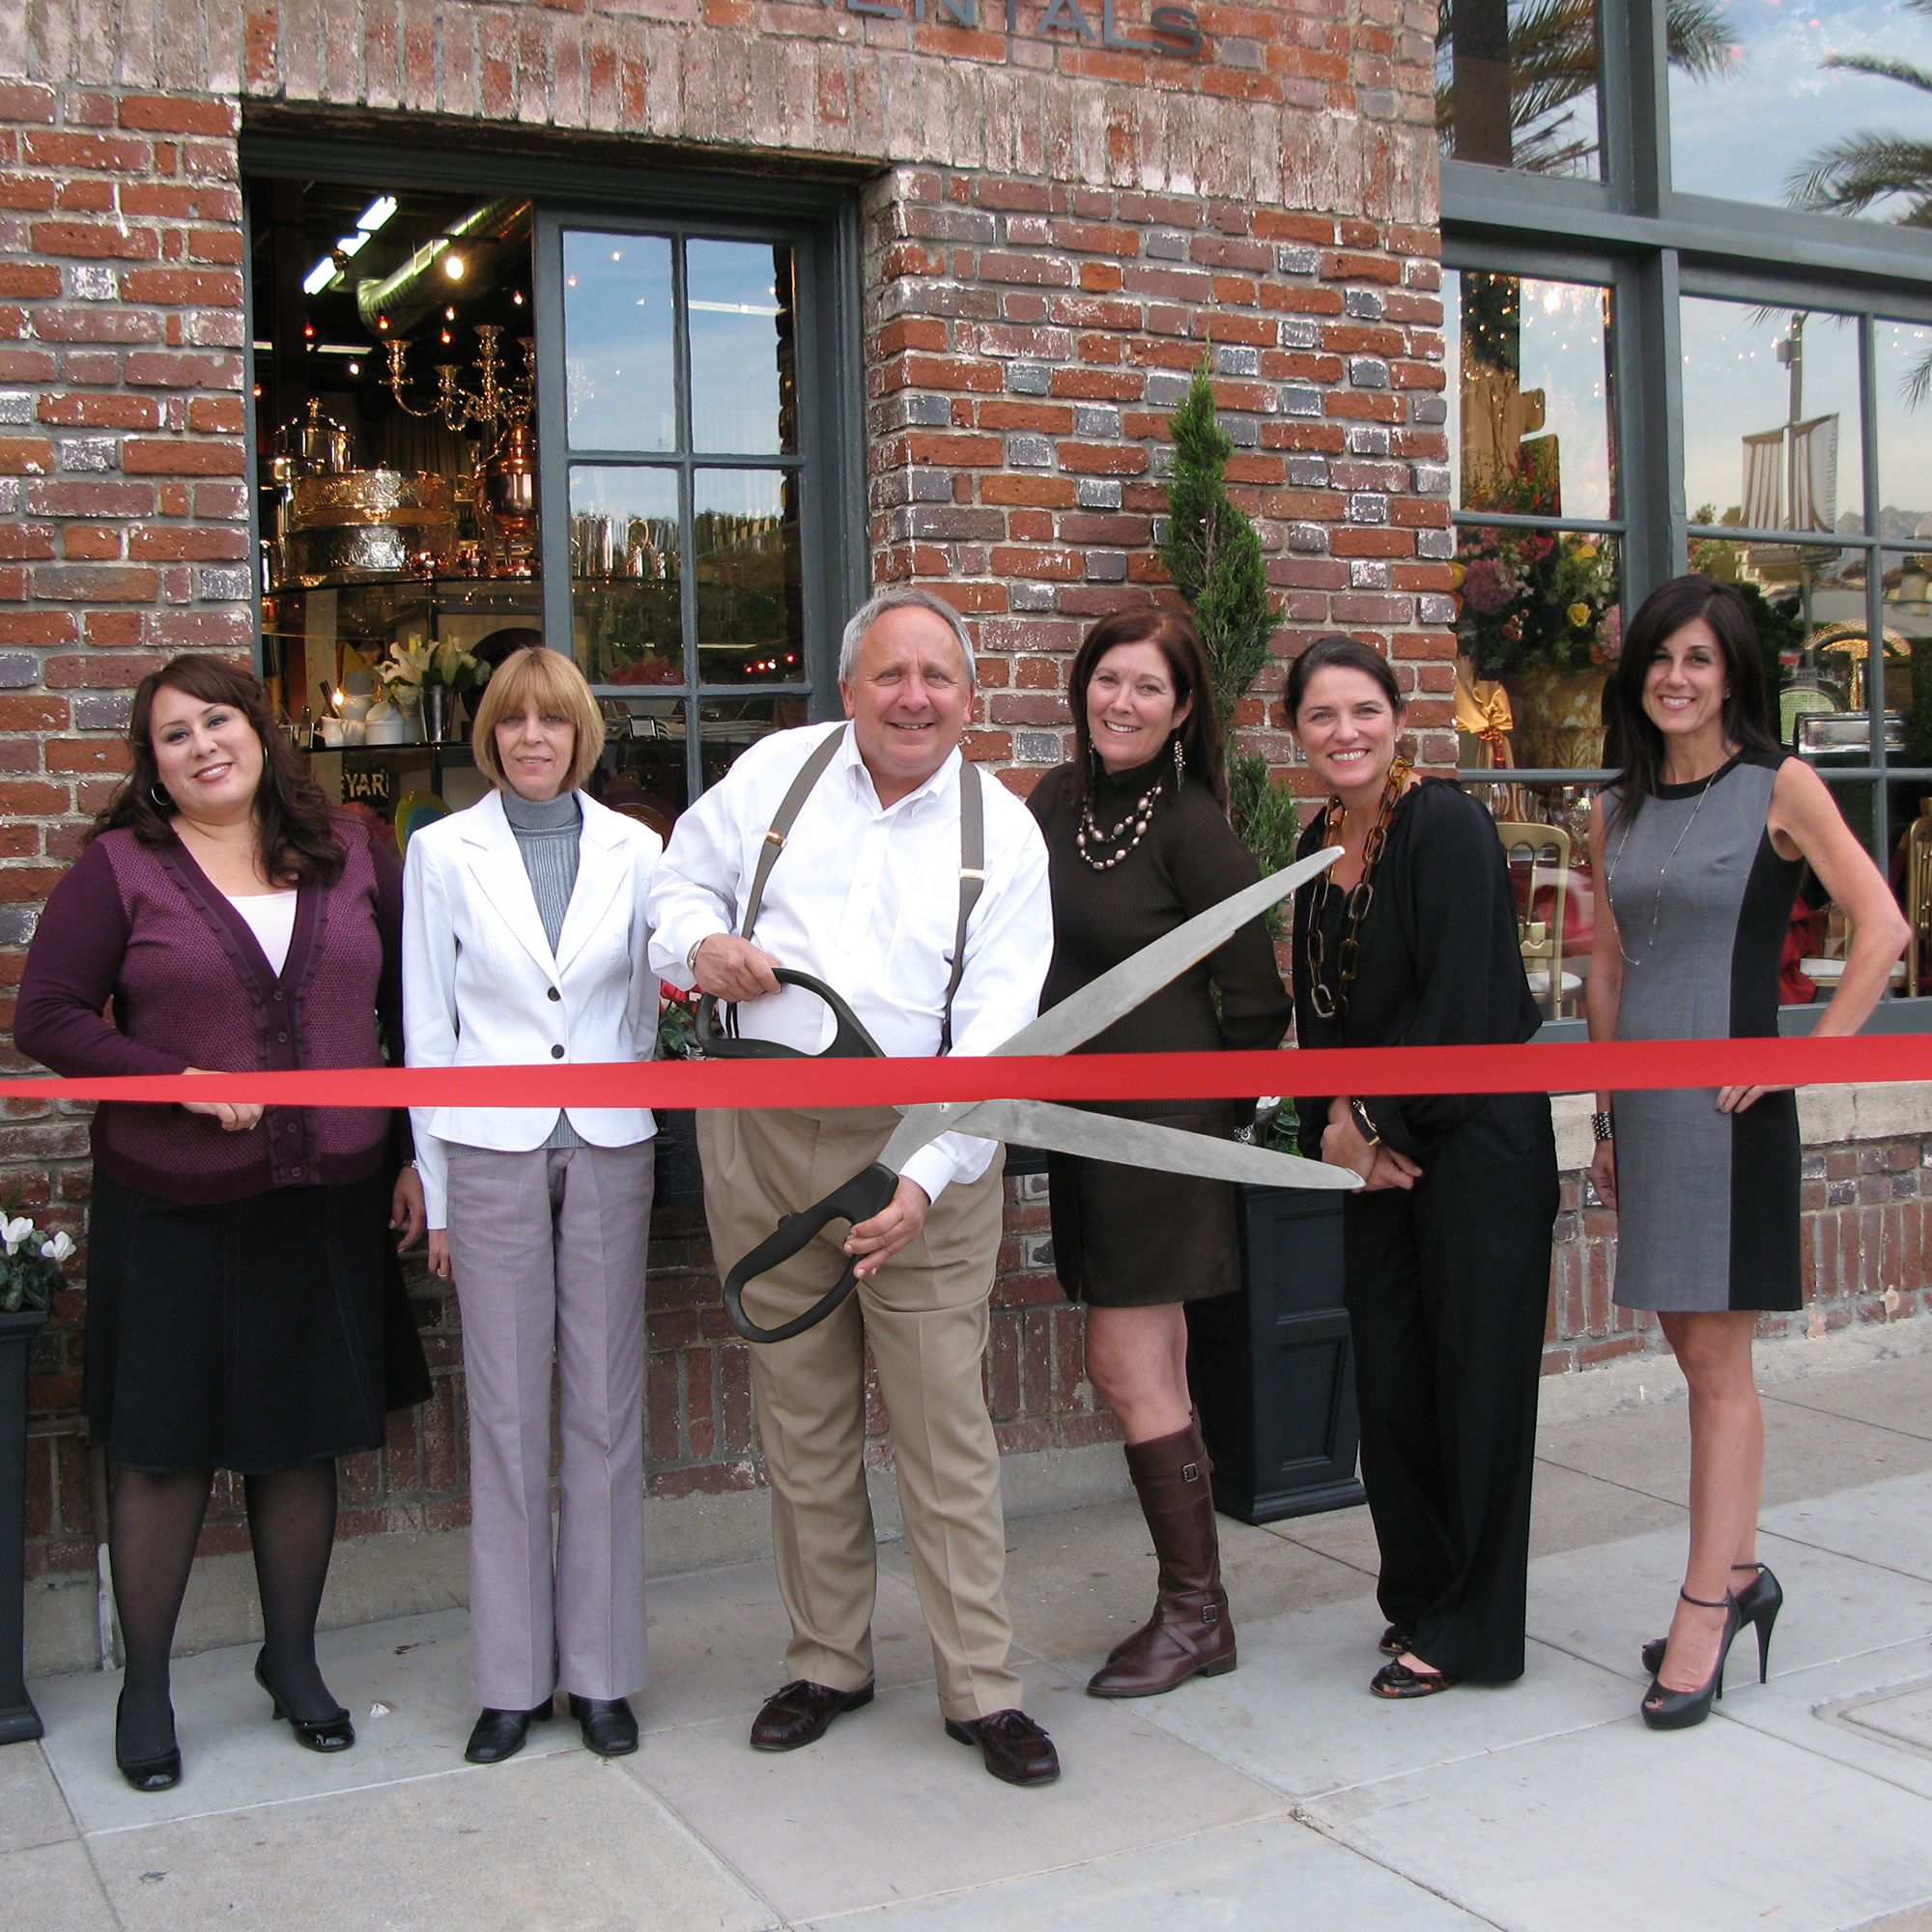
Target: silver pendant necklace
1657,904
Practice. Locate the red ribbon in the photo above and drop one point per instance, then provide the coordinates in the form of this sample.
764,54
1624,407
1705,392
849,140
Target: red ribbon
1625,1064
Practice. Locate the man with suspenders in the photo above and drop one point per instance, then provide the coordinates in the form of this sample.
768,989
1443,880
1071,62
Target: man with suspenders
872,855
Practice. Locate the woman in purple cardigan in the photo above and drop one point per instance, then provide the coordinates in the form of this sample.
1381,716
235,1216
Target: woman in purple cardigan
244,1309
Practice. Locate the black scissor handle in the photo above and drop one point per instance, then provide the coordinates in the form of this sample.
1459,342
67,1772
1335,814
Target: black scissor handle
851,1041
864,1195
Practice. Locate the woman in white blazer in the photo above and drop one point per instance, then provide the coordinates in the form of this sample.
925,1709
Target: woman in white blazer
524,940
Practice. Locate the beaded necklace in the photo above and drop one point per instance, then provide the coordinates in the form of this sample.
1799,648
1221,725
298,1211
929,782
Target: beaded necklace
1139,818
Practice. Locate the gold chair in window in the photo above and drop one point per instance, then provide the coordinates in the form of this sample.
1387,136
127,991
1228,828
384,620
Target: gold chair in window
1919,894
1547,849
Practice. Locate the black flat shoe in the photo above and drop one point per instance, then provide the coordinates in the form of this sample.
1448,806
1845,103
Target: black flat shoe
161,1771
500,1734
1396,1681
333,1733
1758,1605
1395,1641
608,1725
1665,1710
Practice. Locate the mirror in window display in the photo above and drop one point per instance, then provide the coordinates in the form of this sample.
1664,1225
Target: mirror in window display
1515,84
727,725
739,315
1771,424
1821,107
1539,626
619,364
1529,413
625,580
751,623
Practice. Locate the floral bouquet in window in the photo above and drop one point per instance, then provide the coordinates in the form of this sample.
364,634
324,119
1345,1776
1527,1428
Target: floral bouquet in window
30,1271
424,678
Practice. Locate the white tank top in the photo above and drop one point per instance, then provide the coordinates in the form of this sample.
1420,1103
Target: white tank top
271,917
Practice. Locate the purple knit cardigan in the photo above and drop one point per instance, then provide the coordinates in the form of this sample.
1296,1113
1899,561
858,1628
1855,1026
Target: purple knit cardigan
192,987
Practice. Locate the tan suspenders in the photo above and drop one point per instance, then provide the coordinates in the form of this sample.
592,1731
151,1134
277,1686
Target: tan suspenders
972,856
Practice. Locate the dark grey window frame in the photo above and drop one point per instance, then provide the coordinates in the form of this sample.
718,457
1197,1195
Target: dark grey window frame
820,220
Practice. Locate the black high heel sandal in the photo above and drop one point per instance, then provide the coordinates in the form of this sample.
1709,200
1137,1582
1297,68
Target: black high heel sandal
333,1733
1665,1710
161,1771
1759,1604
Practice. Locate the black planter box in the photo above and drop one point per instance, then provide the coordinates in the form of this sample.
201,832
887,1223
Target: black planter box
18,1719
1271,1368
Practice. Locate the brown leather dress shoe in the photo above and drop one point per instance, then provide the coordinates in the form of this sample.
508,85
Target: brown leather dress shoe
800,1713
1014,1748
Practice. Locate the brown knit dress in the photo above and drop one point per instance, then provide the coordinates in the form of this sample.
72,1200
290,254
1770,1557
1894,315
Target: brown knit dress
1128,1237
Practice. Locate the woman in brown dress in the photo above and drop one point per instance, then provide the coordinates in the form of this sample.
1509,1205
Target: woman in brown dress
1137,831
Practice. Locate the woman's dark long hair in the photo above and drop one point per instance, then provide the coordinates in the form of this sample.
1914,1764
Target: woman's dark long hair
1659,617
1336,652
1179,642
300,845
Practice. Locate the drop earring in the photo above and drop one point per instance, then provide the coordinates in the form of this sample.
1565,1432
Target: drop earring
1179,763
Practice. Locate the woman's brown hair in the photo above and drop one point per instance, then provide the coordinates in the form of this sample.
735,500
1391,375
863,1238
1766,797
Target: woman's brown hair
300,845
1179,642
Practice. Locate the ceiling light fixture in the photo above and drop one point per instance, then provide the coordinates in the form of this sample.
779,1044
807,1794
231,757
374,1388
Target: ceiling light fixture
376,213
452,266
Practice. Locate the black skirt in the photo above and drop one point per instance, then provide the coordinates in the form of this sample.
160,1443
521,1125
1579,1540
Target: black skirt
246,1335
1134,1237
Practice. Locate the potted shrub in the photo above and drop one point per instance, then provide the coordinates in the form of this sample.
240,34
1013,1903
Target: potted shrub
1271,1367
30,1271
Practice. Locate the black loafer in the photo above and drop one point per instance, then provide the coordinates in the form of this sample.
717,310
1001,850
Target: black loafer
1399,1682
800,1713
608,1728
500,1734
1395,1641
1014,1748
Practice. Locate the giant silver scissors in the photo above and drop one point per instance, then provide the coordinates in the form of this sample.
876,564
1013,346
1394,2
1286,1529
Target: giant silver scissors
1039,1124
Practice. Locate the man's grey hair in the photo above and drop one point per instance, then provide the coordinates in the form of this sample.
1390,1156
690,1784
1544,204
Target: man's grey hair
898,597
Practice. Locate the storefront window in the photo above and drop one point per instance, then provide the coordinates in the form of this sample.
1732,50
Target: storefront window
1515,84
1782,104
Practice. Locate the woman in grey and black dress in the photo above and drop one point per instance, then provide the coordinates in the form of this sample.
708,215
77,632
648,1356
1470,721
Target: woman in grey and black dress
1701,844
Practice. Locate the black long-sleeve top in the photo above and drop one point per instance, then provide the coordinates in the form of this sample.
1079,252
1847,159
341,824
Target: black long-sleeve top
1188,861
1441,963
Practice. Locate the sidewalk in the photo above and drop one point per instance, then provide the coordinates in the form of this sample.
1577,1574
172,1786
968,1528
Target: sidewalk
1280,1799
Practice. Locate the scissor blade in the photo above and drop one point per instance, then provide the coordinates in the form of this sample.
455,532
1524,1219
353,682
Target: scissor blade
1098,1004
1040,1123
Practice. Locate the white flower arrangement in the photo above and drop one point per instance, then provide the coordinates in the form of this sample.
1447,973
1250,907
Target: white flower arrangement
416,663
31,1270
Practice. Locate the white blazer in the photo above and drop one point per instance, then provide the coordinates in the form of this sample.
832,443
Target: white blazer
482,987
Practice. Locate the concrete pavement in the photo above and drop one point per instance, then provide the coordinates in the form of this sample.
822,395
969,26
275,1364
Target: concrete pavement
1281,1797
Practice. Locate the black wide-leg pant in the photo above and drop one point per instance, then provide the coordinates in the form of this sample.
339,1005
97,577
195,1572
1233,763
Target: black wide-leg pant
1448,1292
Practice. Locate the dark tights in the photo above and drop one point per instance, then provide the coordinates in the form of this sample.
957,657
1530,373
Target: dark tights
153,1523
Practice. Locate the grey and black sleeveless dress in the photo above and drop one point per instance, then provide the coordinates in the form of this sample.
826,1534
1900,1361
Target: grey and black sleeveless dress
1707,1202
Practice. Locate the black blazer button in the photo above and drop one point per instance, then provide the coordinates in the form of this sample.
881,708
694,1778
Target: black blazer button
555,994
557,1053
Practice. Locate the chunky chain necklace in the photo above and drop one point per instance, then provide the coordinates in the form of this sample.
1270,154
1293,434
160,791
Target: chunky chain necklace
1332,1004
1657,904
1136,823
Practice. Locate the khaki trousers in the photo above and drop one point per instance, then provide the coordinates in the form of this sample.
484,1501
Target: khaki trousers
548,1250
924,1315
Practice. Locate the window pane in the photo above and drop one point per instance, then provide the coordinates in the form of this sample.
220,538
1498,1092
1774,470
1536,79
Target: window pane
739,300
1904,387
1761,95
727,725
642,772
1539,626
1771,436
750,625
624,570
1529,413
617,341
1515,84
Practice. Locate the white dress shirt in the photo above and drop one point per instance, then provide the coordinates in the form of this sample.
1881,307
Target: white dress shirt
865,897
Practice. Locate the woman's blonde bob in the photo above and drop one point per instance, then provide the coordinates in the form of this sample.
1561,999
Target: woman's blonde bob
554,684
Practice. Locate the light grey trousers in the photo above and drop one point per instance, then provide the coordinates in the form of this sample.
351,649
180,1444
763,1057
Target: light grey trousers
548,1250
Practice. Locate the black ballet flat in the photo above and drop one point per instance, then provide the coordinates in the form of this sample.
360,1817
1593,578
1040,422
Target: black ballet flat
333,1733
1395,1641
161,1771
1666,1709
1758,1605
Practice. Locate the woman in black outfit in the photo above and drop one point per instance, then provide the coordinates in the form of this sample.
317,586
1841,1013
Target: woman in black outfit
1448,1243
1137,831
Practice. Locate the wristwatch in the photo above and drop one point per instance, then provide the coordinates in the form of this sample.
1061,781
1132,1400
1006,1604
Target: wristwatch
1364,1126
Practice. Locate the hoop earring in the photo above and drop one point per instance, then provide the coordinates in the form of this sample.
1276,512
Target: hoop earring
1179,763
162,798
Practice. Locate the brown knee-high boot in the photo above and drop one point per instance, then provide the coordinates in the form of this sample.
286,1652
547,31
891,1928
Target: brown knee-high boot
1189,1633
